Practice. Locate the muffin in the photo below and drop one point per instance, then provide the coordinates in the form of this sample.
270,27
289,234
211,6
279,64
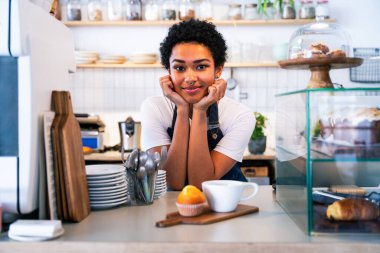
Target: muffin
320,47
336,53
190,201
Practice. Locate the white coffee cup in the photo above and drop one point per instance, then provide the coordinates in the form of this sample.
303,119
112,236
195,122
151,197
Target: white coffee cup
224,195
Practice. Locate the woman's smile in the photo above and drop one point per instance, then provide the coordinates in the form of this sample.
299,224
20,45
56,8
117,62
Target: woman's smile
192,90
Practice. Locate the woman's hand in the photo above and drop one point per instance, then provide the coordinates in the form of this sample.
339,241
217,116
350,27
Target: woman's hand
215,93
168,90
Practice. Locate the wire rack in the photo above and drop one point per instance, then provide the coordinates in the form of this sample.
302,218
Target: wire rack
369,71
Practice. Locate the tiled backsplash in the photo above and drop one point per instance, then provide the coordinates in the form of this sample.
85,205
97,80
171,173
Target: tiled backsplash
117,93
125,89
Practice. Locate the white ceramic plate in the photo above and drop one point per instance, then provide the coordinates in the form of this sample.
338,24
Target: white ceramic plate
104,169
96,184
35,238
84,61
108,201
109,192
108,188
96,178
160,191
106,206
143,54
109,197
110,61
111,57
161,172
86,54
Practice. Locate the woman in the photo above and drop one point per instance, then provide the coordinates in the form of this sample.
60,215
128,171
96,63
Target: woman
205,132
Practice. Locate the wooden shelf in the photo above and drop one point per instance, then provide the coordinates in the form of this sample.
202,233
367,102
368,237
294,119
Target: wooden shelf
260,22
158,65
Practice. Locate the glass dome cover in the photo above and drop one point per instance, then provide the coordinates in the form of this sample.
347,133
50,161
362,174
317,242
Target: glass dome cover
319,40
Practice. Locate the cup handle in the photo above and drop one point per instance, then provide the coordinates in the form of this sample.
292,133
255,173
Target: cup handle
254,187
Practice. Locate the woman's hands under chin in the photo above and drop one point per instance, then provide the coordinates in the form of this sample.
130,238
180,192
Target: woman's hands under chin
216,92
168,90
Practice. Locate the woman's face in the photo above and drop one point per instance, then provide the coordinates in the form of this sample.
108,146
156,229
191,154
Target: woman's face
192,70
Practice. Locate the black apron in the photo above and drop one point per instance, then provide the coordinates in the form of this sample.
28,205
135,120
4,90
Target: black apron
214,135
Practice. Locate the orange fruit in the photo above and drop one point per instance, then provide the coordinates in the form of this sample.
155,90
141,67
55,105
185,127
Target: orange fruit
191,195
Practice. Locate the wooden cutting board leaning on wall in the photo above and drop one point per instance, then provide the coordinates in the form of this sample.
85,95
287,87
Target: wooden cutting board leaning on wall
72,191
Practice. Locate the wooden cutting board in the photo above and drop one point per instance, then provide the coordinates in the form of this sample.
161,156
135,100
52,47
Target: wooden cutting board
208,216
60,190
78,202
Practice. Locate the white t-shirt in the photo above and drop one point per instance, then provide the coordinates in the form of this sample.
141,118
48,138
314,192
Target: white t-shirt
236,123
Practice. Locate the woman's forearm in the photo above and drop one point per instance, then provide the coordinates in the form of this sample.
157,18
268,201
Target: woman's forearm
176,162
200,165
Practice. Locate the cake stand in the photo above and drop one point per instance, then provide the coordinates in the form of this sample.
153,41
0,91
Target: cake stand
320,68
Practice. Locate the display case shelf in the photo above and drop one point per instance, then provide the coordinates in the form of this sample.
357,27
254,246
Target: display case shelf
271,22
268,64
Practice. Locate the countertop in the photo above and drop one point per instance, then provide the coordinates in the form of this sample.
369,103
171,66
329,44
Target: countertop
132,229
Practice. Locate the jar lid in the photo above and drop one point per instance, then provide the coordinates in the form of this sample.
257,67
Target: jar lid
234,5
251,5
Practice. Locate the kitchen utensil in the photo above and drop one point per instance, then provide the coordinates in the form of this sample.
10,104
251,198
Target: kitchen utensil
73,164
156,158
143,157
130,162
207,216
150,165
69,161
58,171
141,172
231,82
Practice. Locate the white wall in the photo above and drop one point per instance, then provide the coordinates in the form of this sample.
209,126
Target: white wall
123,90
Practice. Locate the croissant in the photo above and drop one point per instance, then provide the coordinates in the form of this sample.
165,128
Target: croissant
352,209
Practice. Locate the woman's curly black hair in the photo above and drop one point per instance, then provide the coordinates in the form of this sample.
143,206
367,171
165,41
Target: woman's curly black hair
197,31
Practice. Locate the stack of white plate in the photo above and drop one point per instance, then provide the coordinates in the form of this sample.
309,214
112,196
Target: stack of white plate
111,59
143,58
107,185
161,187
86,57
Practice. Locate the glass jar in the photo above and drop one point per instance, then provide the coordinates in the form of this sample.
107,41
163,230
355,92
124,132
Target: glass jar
151,12
234,11
250,12
269,12
288,11
115,10
94,10
74,11
307,9
169,10
186,10
133,10
205,10
322,9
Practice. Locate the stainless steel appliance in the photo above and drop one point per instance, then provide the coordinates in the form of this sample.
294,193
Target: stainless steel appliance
130,134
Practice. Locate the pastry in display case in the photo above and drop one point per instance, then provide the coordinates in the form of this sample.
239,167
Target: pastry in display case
320,47
328,159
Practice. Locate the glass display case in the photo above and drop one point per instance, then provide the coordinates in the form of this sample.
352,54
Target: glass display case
327,138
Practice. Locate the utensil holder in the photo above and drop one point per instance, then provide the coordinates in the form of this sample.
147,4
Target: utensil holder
141,190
